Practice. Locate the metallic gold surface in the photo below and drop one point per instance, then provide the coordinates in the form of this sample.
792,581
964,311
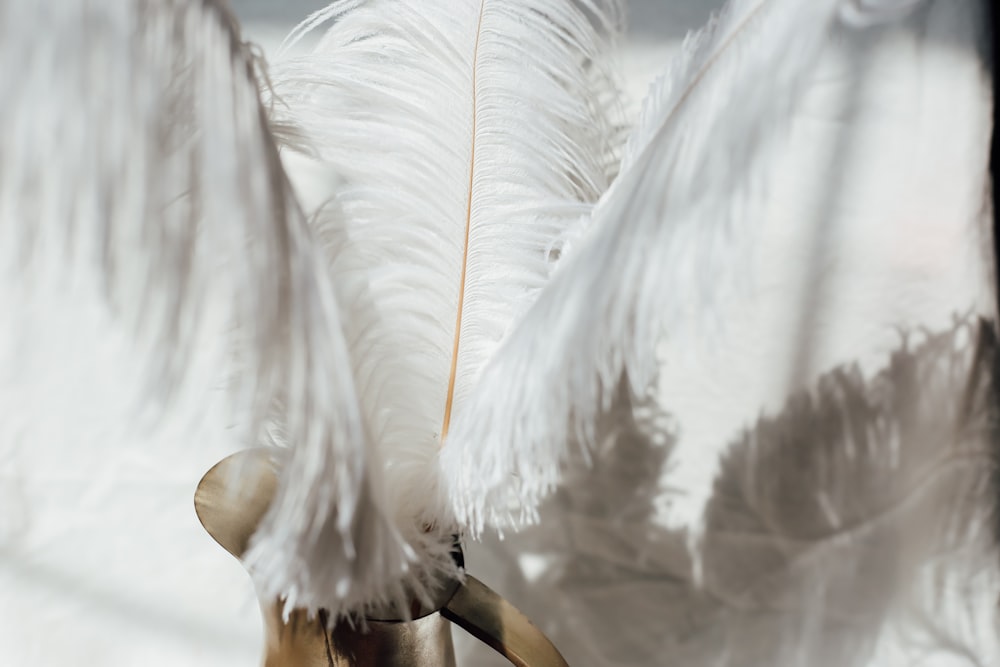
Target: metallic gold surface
301,642
230,501
496,622
231,511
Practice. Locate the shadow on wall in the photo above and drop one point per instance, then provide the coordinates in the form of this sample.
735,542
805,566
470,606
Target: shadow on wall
598,573
853,528
277,11
647,19
668,20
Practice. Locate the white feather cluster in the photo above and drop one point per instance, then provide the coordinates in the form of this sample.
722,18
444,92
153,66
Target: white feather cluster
683,200
428,345
472,141
468,139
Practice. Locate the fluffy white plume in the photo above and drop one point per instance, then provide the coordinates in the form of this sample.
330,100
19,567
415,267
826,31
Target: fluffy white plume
661,241
469,136
158,274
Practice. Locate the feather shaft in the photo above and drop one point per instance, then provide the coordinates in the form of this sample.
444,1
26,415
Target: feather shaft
460,309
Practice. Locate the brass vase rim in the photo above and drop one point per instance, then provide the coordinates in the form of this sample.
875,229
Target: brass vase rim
256,468
231,512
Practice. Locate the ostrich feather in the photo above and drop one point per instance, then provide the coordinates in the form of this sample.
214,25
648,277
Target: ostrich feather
160,284
619,569
663,240
469,138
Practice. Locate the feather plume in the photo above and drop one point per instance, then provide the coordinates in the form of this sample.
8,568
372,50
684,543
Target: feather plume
158,273
469,137
663,237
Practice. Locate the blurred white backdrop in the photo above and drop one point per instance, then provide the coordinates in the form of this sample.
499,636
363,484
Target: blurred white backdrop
892,277
656,29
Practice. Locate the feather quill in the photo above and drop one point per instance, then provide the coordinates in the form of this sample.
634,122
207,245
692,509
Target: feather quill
158,273
659,242
469,137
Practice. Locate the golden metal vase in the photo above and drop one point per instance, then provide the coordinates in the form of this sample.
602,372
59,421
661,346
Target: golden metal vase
231,515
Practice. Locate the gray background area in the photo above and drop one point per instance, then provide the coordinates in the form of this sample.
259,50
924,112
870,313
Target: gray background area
656,29
656,19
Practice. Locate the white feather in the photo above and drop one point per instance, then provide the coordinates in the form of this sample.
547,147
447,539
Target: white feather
659,244
160,284
470,136
608,571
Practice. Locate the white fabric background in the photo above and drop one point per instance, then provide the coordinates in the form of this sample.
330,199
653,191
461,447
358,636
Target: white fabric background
124,576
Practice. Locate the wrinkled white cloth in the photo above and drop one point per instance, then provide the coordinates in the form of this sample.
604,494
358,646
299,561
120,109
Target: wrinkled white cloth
875,226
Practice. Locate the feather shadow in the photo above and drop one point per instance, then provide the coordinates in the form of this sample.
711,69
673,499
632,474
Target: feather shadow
854,527
854,524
